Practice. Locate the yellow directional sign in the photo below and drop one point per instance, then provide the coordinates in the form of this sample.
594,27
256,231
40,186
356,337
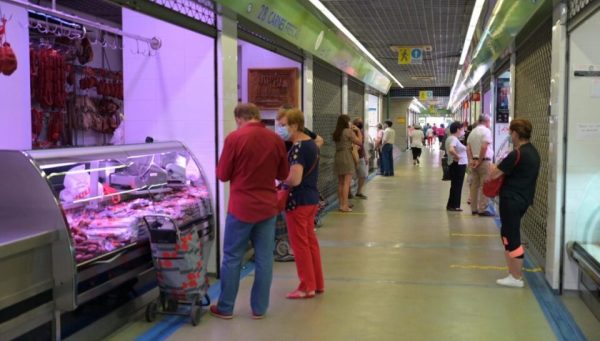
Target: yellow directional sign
404,55
425,95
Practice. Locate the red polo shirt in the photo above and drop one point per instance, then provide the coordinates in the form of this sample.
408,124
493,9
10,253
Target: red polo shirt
252,158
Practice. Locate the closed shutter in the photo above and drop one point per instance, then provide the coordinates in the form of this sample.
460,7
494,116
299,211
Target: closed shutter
532,98
327,106
356,98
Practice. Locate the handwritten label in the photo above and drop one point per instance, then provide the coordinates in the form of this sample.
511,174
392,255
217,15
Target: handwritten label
587,131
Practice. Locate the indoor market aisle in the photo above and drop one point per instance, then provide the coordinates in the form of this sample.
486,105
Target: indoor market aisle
397,268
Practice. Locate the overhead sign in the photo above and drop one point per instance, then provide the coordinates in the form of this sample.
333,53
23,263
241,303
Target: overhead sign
293,22
410,55
425,95
416,56
404,55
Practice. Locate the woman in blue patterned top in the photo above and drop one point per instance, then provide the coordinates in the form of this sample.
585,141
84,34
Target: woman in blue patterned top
302,207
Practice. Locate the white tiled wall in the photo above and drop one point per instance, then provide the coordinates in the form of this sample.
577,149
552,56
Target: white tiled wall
171,96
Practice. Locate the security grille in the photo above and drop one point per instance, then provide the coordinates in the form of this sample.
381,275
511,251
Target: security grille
201,10
327,106
532,97
577,6
356,98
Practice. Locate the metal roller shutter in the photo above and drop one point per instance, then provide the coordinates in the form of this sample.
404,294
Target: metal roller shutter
532,97
356,98
327,106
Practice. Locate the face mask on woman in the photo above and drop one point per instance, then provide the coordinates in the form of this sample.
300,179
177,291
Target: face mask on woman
283,132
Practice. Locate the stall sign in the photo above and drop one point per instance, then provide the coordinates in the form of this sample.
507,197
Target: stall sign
425,95
272,88
293,22
476,97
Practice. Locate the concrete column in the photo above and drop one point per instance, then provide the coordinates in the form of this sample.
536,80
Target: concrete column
344,94
307,86
227,80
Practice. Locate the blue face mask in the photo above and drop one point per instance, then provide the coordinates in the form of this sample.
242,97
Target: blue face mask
282,132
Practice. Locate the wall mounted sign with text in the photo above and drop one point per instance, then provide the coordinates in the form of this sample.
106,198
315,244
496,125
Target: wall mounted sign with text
272,88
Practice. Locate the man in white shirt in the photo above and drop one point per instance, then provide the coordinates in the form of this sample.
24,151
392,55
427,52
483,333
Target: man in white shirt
481,155
389,138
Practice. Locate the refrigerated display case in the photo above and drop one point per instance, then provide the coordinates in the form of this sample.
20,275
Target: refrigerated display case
84,209
584,249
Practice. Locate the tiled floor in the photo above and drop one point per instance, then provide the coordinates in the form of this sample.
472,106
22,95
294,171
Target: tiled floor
398,268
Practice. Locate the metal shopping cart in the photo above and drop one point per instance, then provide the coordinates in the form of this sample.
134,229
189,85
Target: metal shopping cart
179,254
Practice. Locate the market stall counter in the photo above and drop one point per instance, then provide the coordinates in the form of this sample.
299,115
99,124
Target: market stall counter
72,222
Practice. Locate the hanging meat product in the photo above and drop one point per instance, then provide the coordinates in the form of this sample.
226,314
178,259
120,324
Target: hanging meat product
55,127
37,123
9,60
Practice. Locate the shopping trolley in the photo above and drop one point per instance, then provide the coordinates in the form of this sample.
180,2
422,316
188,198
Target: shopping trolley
179,254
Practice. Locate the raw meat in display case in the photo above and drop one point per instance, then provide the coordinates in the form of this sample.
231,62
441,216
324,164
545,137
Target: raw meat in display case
105,200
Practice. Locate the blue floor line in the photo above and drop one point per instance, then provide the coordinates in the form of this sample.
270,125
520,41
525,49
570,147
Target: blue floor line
169,325
558,316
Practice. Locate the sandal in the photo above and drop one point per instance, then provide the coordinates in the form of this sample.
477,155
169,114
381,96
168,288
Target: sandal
299,294
345,210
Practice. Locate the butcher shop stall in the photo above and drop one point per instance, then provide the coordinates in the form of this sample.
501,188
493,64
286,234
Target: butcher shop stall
73,233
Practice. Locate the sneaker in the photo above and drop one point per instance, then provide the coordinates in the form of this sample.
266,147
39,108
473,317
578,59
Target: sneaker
486,214
475,213
361,196
257,316
214,311
510,281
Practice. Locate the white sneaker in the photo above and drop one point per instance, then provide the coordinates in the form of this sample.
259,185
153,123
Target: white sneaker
510,281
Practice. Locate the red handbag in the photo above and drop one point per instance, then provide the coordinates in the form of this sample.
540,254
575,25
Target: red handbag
491,188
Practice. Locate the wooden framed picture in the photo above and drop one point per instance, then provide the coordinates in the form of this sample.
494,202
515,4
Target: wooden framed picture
272,88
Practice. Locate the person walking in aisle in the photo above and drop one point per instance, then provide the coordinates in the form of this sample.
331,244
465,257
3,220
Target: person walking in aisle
441,134
253,158
481,154
520,169
344,136
416,143
457,157
389,138
362,169
302,208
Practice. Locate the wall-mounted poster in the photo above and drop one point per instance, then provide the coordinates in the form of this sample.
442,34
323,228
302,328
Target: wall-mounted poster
503,103
272,88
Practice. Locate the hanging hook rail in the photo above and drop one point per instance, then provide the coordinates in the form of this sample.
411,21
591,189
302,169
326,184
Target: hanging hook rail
154,42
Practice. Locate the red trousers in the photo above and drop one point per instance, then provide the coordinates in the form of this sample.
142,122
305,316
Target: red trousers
301,231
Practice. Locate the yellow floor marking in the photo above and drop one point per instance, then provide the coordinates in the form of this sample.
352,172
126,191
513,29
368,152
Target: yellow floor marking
489,267
474,235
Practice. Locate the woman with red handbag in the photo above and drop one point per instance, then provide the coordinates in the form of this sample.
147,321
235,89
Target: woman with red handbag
302,206
520,170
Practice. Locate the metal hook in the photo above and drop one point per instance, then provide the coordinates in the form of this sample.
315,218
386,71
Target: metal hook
114,43
95,41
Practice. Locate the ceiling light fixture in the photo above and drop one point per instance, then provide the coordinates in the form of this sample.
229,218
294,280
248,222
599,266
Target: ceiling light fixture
417,102
472,25
454,87
334,20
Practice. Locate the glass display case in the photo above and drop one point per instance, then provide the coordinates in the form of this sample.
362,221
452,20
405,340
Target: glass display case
72,226
105,192
584,248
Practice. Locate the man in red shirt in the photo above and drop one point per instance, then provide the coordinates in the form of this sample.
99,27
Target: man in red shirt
252,158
